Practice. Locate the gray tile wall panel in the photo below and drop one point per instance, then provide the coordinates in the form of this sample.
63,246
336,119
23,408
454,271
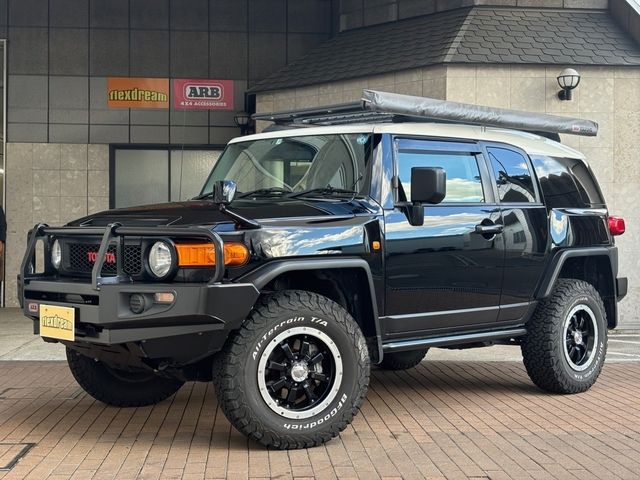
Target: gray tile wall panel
227,15
267,53
109,53
189,54
109,14
27,99
149,117
309,16
69,51
109,134
149,14
68,100
32,13
222,65
64,133
267,16
149,134
23,58
27,132
189,14
189,135
149,53
3,13
189,118
69,13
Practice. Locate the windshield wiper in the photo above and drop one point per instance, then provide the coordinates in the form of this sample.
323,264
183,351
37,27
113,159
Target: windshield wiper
324,191
265,192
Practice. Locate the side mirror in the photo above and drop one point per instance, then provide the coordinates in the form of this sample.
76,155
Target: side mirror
428,185
224,191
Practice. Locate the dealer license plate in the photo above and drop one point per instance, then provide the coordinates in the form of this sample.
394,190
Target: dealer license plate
57,322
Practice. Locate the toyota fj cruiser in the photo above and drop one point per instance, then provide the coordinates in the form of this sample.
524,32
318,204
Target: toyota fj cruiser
312,253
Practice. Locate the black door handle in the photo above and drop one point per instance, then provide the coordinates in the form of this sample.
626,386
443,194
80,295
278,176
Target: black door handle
492,229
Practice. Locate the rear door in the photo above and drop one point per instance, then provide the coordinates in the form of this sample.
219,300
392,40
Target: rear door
445,274
525,227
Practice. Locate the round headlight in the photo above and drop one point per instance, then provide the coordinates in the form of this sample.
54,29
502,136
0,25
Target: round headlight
160,259
56,255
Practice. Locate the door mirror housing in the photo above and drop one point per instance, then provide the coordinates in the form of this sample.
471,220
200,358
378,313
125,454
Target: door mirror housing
428,185
224,192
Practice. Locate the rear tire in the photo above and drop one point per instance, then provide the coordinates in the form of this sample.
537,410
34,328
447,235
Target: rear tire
403,360
295,373
566,341
119,388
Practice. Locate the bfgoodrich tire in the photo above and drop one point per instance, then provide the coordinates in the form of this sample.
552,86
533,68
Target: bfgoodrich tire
296,372
566,341
118,387
402,360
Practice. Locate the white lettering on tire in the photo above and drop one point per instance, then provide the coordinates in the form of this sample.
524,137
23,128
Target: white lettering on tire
316,423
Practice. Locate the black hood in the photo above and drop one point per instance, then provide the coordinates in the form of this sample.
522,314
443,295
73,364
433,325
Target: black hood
205,212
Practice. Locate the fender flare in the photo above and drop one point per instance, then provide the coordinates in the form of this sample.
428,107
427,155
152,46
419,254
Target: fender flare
557,262
261,276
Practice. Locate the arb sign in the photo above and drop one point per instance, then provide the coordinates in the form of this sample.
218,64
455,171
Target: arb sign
124,92
203,94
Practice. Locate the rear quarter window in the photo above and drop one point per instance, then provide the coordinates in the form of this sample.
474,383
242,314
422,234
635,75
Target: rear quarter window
567,182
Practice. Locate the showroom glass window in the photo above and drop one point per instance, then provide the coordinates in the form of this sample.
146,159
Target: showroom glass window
145,176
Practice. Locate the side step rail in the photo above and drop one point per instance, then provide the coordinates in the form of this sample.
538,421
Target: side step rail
403,345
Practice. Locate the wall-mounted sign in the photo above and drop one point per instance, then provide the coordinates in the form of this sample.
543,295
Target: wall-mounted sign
203,94
125,92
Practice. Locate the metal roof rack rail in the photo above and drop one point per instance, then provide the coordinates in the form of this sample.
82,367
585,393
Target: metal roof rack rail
385,107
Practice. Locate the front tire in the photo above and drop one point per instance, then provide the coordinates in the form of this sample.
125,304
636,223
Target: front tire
566,341
296,372
119,388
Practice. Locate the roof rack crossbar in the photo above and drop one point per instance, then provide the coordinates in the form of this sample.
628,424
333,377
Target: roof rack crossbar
393,107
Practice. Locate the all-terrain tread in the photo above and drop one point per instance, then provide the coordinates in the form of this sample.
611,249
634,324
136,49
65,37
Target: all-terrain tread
402,360
541,362
101,385
230,392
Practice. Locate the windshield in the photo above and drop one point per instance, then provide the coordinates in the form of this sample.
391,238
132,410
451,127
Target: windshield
296,164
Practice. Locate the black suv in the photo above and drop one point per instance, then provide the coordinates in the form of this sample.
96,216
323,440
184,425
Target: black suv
313,252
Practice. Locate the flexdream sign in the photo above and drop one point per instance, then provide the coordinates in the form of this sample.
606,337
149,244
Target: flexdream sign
125,92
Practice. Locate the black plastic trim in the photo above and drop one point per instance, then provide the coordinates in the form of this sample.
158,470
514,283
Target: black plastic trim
553,270
441,341
263,275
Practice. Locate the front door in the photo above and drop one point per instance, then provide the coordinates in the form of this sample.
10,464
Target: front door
447,273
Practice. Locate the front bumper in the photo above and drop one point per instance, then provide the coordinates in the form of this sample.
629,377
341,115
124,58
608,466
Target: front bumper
194,326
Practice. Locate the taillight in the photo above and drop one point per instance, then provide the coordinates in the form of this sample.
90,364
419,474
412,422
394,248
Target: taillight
616,225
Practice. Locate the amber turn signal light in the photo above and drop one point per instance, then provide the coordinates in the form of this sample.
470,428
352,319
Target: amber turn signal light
203,254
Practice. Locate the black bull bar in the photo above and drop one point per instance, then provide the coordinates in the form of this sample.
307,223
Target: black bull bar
114,232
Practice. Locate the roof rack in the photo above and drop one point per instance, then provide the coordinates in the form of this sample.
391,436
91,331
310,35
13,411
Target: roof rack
385,107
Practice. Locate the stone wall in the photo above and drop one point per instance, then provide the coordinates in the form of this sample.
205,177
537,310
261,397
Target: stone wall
363,13
610,96
52,183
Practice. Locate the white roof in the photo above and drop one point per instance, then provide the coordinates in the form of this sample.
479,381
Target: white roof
530,143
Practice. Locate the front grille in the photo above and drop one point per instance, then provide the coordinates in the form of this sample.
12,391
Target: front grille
80,261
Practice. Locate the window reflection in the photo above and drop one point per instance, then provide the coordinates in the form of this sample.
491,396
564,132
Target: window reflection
463,176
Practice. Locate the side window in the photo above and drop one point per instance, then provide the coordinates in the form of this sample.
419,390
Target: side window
515,184
463,176
567,182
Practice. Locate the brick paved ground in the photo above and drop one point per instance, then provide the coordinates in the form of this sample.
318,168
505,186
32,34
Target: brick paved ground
442,419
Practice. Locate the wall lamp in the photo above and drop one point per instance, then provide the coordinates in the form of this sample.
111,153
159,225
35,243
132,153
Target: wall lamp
243,120
568,80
